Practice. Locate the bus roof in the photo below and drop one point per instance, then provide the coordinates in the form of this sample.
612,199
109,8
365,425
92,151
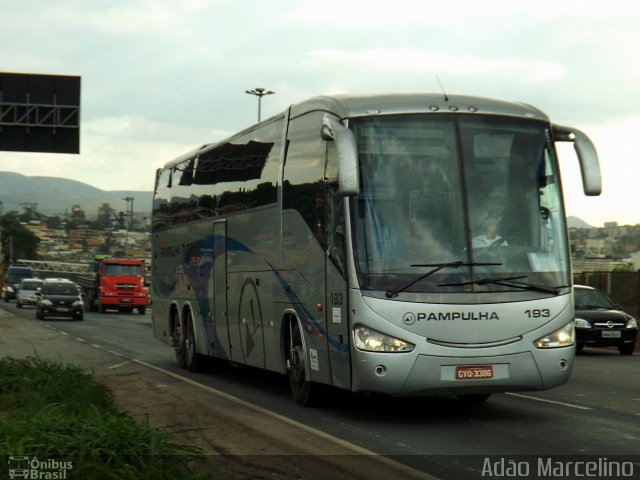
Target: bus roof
352,106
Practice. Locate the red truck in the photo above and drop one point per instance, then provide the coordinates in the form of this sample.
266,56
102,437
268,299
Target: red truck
115,284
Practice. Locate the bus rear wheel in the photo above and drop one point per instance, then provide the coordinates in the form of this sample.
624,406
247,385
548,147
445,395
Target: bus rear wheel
178,341
194,361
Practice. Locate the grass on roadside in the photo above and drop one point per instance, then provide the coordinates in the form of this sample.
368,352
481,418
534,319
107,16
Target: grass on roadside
54,411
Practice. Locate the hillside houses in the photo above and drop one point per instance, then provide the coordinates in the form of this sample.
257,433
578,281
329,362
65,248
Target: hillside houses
83,244
611,247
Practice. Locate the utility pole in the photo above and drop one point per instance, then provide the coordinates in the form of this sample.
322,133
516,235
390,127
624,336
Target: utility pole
129,224
259,92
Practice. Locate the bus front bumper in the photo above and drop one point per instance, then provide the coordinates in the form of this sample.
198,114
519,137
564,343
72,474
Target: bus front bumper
432,375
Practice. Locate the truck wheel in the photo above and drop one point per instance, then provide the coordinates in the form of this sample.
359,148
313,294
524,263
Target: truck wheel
141,310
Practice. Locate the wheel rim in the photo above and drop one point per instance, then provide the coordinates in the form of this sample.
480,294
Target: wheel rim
297,371
189,342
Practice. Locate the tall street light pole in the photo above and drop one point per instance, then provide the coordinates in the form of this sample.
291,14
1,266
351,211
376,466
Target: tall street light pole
129,201
259,92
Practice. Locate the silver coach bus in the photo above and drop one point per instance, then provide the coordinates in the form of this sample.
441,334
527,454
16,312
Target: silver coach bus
399,244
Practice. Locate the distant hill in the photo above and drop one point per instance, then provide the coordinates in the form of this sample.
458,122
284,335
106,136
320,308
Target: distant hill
55,196
575,222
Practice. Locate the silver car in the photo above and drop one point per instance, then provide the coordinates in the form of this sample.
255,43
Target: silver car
26,294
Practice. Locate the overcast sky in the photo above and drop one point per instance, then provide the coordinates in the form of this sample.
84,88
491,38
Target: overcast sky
160,77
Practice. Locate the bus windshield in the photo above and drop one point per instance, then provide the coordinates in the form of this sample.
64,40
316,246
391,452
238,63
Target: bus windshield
458,204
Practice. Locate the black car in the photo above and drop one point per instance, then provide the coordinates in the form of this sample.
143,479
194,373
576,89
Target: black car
59,297
601,323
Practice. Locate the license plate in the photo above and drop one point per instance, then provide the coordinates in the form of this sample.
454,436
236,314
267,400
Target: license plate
62,309
474,372
125,300
611,334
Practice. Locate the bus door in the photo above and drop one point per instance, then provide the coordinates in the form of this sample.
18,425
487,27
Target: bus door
218,296
336,274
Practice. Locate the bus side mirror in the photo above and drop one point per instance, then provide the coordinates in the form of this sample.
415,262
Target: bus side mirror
587,155
348,172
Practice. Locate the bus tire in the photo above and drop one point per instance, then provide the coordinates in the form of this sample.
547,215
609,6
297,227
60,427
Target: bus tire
194,361
304,392
177,337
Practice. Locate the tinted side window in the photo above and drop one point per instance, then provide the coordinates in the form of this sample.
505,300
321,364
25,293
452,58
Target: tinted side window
231,176
303,184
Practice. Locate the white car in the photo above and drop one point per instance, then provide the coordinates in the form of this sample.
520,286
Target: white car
26,294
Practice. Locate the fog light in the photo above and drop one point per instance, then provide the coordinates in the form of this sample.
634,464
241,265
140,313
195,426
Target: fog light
380,370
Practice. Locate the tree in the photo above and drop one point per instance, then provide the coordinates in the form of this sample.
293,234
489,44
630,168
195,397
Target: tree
105,216
53,222
17,240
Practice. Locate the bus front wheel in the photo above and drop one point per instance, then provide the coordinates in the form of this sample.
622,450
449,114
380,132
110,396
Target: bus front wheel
304,392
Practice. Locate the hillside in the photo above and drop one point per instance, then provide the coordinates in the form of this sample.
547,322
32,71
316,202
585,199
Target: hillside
575,222
55,196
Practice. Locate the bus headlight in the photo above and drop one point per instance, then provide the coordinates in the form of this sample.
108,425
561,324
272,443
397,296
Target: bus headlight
372,341
563,337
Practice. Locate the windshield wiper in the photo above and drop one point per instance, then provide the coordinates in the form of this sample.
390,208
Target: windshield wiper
511,282
437,267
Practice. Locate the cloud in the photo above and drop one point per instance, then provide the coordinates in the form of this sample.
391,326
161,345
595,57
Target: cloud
159,78
407,63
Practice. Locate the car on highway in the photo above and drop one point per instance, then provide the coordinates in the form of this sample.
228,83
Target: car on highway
59,297
11,281
27,292
602,323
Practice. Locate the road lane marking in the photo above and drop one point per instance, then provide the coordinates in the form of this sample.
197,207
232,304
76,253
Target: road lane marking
118,365
338,441
555,402
343,443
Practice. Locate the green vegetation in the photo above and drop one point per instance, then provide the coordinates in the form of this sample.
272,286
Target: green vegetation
53,411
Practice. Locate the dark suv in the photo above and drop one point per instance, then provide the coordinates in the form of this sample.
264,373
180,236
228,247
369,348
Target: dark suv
15,274
601,323
59,297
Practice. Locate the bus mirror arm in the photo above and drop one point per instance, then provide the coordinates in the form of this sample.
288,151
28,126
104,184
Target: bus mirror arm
587,155
348,172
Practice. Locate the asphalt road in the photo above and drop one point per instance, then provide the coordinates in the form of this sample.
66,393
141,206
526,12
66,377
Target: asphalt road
595,417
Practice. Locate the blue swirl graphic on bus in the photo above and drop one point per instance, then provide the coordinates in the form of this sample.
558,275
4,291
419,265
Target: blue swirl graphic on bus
197,263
